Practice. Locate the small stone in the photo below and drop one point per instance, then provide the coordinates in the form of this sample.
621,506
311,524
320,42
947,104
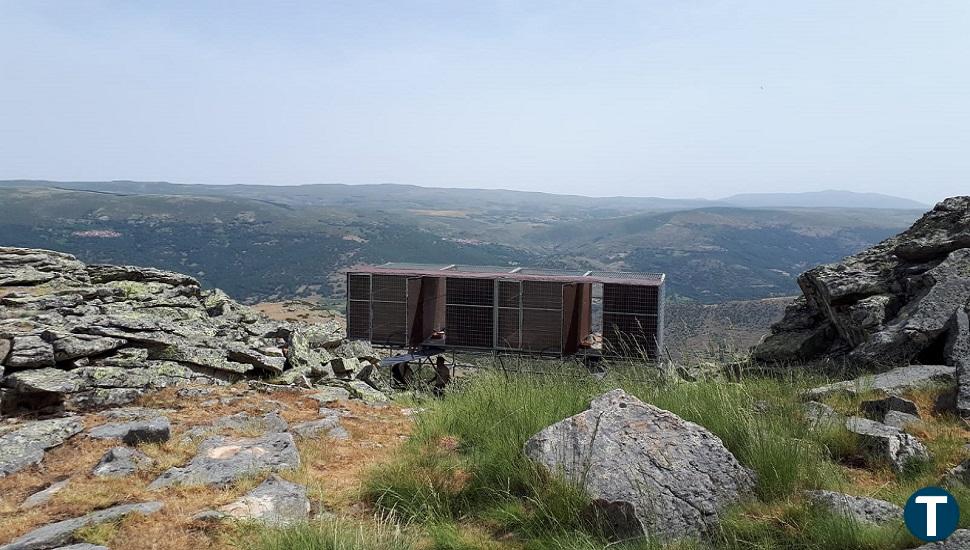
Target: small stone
960,473
345,366
886,443
314,428
819,414
120,462
864,509
876,409
330,394
368,394
899,420
41,497
271,422
153,430
959,540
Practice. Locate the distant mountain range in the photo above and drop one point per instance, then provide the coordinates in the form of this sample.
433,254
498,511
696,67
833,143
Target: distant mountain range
822,199
412,196
274,242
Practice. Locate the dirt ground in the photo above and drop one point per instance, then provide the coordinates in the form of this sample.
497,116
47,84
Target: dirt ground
331,469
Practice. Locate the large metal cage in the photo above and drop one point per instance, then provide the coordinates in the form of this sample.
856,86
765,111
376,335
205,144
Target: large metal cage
541,311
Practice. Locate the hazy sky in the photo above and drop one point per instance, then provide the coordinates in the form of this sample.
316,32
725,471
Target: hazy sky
668,98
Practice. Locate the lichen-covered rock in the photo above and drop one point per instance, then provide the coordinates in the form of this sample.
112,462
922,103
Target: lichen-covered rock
221,461
886,443
120,462
25,445
648,471
45,380
30,351
27,266
72,346
62,532
863,509
110,334
887,305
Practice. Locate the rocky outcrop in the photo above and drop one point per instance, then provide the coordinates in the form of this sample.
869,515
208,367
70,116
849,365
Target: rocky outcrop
76,336
62,532
891,304
648,471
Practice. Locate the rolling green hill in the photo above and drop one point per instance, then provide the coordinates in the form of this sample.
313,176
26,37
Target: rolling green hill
269,242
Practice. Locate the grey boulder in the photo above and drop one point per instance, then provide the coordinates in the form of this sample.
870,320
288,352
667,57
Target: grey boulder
221,461
648,471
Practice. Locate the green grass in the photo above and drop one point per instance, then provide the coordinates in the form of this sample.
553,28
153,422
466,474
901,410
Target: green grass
330,534
463,481
465,460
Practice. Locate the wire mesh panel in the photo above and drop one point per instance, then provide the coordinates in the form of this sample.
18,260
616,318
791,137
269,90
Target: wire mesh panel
358,306
389,310
470,312
541,316
631,320
509,331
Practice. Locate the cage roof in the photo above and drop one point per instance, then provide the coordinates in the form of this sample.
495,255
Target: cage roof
513,272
